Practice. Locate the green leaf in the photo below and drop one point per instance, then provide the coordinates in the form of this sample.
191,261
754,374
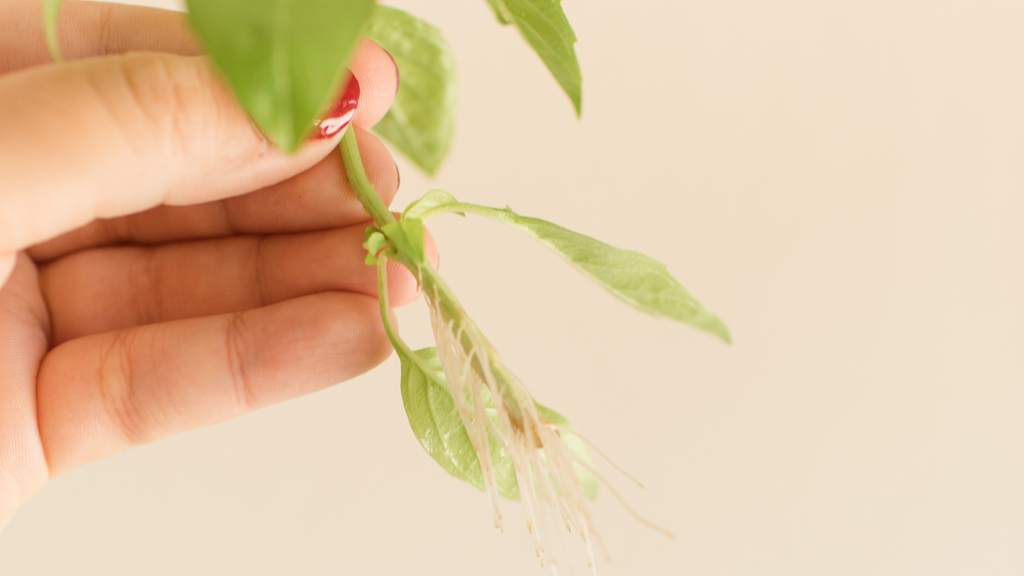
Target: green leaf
497,7
544,26
51,10
374,242
285,59
431,199
436,423
407,237
637,279
421,121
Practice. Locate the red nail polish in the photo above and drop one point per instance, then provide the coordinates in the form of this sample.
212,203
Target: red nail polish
340,116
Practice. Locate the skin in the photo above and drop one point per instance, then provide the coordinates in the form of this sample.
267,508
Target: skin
162,266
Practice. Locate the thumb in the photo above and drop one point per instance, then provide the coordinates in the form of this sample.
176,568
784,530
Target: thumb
111,136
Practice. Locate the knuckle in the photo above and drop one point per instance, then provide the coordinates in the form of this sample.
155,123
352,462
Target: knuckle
146,277
177,102
238,347
105,30
115,386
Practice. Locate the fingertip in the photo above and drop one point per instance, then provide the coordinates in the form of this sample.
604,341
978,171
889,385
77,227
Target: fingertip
377,74
380,166
402,286
358,326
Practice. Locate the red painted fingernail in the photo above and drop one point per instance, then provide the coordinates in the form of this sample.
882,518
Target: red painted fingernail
340,116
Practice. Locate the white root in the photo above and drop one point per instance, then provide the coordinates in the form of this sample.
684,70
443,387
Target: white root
598,451
545,466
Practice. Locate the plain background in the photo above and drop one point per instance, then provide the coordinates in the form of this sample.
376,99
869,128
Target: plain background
843,182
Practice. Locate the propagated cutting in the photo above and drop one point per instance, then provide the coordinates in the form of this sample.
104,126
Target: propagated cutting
284,60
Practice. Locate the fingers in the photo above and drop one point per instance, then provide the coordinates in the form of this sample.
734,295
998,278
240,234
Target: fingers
107,137
23,342
88,29
116,288
104,393
317,199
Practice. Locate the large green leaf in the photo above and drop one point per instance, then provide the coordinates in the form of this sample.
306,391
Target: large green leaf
421,121
285,59
544,26
51,9
436,423
634,278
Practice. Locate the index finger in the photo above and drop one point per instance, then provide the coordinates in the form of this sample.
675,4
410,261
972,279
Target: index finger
88,29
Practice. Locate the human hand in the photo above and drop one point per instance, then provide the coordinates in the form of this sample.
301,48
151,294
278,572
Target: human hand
162,266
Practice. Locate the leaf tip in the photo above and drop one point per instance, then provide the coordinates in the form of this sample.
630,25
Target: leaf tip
718,328
429,168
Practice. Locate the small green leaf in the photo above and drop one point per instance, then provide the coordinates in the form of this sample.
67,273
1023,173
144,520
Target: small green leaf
498,7
285,59
51,10
374,242
634,278
407,237
544,26
421,120
431,199
436,423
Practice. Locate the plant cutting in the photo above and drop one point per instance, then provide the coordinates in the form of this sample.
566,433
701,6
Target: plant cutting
284,60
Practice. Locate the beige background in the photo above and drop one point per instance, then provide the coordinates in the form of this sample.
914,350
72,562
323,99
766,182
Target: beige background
842,181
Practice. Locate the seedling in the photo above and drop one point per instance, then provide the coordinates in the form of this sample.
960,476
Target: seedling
284,60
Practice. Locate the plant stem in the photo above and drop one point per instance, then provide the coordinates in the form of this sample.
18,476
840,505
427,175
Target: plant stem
385,305
429,280
361,185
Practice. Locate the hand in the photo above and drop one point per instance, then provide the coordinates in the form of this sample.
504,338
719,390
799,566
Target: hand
162,266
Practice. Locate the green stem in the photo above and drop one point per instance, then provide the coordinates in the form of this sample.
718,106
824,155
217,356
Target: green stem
385,305
404,352
361,185
428,278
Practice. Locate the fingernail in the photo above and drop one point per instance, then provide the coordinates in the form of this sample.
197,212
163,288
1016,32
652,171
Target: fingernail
398,77
341,115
